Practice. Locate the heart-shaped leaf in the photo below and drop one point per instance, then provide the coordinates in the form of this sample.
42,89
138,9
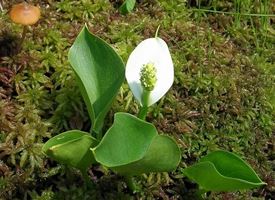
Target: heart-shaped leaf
223,171
132,146
127,6
100,73
71,148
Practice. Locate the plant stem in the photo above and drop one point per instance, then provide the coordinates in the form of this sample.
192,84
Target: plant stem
87,181
157,32
201,193
145,98
143,112
144,109
130,183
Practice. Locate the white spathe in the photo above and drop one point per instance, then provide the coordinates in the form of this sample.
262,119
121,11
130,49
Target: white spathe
151,50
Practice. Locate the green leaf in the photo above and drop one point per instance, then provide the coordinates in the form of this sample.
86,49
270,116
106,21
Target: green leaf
71,148
100,73
132,146
127,6
223,171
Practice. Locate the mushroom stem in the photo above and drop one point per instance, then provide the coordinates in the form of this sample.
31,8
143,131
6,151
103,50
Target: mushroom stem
22,38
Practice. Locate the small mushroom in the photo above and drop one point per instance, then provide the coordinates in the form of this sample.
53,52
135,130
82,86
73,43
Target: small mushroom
25,14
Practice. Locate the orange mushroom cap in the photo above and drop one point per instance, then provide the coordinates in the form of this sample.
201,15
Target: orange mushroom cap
25,14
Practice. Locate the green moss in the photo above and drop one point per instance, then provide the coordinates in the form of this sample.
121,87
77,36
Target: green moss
222,97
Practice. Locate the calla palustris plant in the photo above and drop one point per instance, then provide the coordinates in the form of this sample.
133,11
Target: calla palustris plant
100,73
150,60
132,146
223,171
72,148
127,6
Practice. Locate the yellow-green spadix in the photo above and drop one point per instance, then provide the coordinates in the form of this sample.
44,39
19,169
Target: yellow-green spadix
154,53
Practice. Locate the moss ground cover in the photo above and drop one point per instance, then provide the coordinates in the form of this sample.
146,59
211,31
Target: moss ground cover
222,97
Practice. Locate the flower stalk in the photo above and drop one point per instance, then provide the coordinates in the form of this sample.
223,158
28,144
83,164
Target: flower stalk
143,112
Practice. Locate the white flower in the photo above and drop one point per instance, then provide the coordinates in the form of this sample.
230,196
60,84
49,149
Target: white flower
152,51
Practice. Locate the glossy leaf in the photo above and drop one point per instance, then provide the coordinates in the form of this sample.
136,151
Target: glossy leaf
132,146
100,73
223,171
71,148
127,6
